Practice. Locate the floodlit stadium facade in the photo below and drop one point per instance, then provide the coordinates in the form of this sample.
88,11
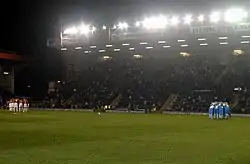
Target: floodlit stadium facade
230,27
218,32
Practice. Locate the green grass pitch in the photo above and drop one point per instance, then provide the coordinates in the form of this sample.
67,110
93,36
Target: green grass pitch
89,138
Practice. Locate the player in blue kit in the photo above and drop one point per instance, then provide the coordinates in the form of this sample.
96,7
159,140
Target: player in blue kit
221,111
227,111
211,111
216,111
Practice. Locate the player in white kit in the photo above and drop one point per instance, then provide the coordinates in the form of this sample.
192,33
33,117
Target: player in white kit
15,105
25,105
10,105
20,105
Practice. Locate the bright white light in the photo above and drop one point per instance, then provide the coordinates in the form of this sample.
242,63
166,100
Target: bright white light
224,43
184,45
137,56
148,48
86,52
131,49
84,29
64,49
246,36
223,38
201,18
159,22
185,54
201,39
166,46
174,21
181,40
203,44
106,57
92,47
71,31
104,27
137,24
114,27
6,73
58,81
78,48
117,50
143,43
215,17
123,25
125,44
162,42
102,51
109,45
93,29
188,19
245,42
238,52
235,15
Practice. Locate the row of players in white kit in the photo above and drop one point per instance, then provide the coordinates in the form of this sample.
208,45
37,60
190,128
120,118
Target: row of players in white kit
18,105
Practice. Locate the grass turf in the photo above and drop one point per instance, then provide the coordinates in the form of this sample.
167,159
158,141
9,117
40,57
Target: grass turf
79,138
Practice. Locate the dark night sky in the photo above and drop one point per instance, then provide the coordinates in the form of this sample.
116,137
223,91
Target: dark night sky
25,25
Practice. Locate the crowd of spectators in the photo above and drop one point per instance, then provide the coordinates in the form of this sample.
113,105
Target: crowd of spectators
148,82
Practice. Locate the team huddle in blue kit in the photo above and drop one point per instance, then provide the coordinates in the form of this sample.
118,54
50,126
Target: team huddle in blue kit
219,110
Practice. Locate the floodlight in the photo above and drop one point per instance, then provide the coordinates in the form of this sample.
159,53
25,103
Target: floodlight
86,52
185,54
93,29
104,27
106,57
114,27
137,56
201,18
102,51
184,45
245,42
181,40
123,25
92,47
143,43
64,49
166,46
131,49
246,36
71,31
223,38
235,15
109,45
174,21
159,22
238,52
201,39
6,73
162,42
125,44
137,24
203,44
215,17
224,43
188,19
148,48
78,48
84,29
117,50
